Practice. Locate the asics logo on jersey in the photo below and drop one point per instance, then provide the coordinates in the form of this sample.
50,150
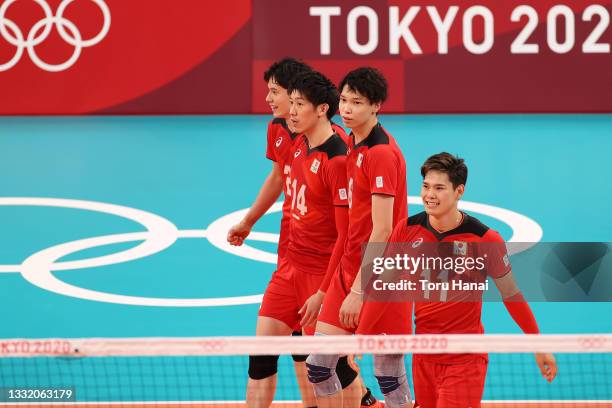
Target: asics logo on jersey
297,153
279,141
41,30
417,242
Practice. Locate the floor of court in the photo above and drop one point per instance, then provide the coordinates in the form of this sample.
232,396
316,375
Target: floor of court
191,173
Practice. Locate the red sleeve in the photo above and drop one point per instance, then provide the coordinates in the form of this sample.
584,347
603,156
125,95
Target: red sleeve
381,169
498,261
335,179
521,313
270,148
341,219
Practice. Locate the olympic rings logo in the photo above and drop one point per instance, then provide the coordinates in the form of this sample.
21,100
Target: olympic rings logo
11,33
214,345
160,233
592,343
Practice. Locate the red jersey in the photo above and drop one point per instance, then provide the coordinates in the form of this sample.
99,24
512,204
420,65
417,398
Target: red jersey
281,144
317,184
455,316
376,165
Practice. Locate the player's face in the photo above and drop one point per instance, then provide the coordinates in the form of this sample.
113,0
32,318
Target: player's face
438,195
355,109
303,115
278,99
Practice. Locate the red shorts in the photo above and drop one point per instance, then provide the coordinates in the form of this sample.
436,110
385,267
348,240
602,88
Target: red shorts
375,317
287,292
443,385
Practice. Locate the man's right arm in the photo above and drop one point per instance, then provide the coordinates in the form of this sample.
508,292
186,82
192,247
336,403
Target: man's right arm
268,194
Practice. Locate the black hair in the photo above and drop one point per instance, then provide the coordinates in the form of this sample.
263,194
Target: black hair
447,163
284,70
368,81
317,89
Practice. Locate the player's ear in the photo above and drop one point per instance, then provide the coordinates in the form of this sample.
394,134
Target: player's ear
375,108
322,109
460,190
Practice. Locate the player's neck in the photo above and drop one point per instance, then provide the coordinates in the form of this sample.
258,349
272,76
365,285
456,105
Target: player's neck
363,131
319,133
446,222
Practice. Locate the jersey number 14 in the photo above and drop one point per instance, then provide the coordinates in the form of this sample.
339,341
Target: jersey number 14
298,196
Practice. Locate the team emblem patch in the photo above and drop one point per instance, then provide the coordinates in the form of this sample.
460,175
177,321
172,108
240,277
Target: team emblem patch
279,141
379,182
359,159
459,248
342,194
315,166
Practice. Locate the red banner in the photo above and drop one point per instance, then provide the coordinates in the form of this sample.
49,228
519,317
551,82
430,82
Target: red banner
147,56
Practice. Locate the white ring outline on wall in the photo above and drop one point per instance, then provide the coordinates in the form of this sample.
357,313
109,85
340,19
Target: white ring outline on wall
161,233
29,42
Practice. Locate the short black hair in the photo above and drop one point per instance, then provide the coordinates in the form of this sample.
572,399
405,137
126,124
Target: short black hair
368,81
445,162
317,89
284,70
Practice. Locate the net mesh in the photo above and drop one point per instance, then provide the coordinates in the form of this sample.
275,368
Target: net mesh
213,371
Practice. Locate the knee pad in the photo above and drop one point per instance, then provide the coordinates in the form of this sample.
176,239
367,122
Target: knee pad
346,373
298,358
261,367
322,374
390,372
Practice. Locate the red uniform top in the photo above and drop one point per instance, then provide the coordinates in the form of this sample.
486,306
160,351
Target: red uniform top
376,165
455,316
281,145
317,184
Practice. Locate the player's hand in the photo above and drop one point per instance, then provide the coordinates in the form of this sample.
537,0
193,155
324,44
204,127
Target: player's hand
238,233
547,364
311,308
350,309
